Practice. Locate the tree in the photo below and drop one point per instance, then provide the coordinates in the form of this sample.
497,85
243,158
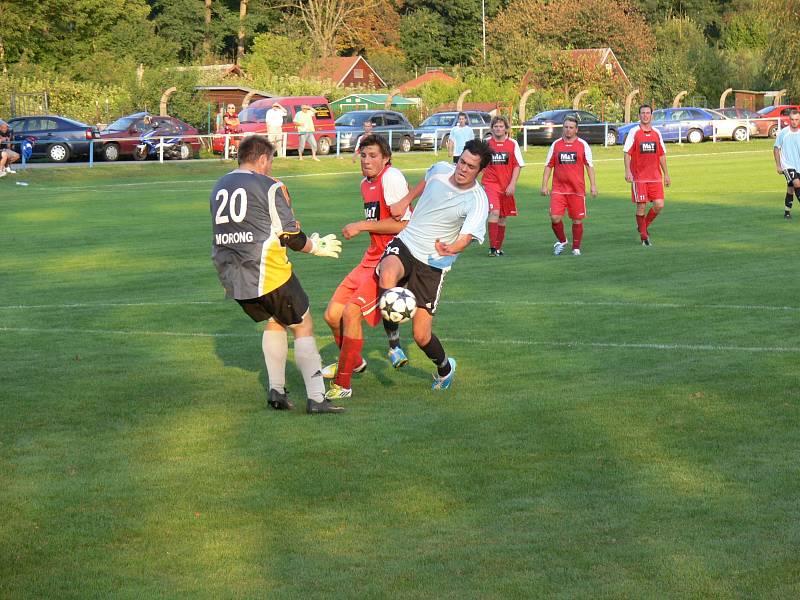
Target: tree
242,15
329,21
783,48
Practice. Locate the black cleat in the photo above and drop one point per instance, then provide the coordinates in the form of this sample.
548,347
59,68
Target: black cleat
325,406
279,401
646,242
787,215
500,253
493,253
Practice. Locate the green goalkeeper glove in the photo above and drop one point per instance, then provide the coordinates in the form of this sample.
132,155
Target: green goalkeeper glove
325,246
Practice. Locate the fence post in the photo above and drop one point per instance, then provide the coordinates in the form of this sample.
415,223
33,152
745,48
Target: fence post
605,135
339,146
680,137
91,153
227,144
161,149
390,138
747,123
525,137
436,142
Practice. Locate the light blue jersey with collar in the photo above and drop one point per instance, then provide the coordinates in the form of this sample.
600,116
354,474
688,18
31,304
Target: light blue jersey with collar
460,136
789,143
444,212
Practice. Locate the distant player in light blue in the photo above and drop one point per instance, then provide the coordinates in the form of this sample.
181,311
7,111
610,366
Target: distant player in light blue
459,135
450,215
787,159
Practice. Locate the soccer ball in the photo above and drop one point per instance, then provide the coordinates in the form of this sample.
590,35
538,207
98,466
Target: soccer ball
398,305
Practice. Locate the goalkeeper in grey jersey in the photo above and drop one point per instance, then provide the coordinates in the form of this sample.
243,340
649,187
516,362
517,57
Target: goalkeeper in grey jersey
253,225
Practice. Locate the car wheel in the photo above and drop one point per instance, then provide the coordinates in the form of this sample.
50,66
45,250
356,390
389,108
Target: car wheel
773,131
111,152
58,152
406,144
695,136
740,134
611,137
324,145
184,152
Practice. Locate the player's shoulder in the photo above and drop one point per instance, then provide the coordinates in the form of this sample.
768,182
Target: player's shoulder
440,168
393,173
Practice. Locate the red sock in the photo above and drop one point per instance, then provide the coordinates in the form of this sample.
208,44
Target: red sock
501,236
558,229
493,235
641,225
349,359
577,235
651,216
338,340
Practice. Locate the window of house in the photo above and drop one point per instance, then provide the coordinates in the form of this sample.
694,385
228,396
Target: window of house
358,73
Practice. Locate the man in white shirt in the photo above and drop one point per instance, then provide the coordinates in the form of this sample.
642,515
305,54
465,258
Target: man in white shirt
786,152
274,119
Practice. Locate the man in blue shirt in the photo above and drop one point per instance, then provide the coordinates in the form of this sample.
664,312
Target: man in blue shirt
459,135
787,159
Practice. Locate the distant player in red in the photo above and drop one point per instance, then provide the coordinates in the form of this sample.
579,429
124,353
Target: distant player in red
567,159
357,296
646,170
500,182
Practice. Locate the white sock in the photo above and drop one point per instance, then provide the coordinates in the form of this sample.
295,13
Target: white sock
275,346
310,365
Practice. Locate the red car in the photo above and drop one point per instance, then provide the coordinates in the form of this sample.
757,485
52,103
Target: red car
252,121
775,112
121,137
762,126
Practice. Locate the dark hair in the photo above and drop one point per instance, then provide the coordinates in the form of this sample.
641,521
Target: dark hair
481,149
793,112
572,118
253,147
370,121
462,114
374,139
645,106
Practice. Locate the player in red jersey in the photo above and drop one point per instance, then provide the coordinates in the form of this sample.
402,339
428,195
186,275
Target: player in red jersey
357,296
567,159
645,169
500,182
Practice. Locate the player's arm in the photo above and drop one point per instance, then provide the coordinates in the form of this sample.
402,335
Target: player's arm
462,241
398,209
292,236
512,185
388,225
545,190
662,160
776,152
592,182
627,160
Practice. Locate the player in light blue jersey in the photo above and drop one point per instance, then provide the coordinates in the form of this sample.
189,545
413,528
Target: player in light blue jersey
451,213
787,159
459,135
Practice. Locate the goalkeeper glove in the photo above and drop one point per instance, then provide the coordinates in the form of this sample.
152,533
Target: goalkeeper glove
325,246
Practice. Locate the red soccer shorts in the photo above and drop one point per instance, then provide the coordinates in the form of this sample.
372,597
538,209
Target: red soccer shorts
574,204
361,287
647,191
498,201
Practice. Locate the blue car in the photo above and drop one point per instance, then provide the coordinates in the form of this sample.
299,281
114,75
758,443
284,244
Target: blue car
688,124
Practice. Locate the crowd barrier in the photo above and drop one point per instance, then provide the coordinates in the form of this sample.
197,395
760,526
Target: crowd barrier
290,139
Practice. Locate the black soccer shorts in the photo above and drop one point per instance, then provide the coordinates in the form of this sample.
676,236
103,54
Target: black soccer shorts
286,304
790,175
424,281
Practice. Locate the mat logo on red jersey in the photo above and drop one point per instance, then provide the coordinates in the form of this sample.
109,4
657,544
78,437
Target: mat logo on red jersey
371,211
647,148
567,158
500,158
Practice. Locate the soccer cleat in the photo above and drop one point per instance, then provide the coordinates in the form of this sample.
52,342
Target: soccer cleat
576,252
279,401
558,248
330,371
338,392
3,173
500,253
492,252
647,242
397,357
443,383
10,171
323,406
787,215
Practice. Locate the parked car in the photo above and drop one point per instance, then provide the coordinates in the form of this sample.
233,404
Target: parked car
437,128
251,121
732,128
392,125
777,112
685,124
123,135
546,127
762,126
54,137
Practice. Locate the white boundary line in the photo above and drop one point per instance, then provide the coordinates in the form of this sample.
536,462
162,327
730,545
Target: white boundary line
607,303
571,344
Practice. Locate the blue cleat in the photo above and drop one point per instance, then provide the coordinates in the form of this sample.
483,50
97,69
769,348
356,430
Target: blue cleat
443,383
398,357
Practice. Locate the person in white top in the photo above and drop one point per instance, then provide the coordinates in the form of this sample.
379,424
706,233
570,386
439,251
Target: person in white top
450,215
786,151
274,119
368,125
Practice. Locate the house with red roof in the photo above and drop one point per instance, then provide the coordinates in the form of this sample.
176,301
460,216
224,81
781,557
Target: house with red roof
346,71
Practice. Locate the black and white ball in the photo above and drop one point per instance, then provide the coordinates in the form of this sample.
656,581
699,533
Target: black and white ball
398,305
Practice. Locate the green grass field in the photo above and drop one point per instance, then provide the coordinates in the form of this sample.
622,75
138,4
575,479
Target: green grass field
622,425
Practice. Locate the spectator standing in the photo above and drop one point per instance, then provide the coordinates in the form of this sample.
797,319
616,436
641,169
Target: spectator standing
305,127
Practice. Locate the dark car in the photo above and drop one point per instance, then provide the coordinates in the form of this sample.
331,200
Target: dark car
122,136
437,128
392,125
54,137
762,126
545,128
